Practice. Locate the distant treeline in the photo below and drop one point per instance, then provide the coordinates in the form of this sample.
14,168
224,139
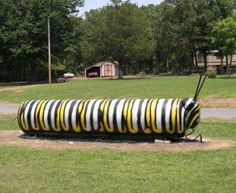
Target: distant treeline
152,39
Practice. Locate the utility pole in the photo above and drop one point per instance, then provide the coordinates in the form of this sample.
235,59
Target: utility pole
49,53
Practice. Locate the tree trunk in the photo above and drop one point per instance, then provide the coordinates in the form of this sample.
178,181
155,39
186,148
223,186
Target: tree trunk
205,61
120,74
157,67
195,58
222,64
167,64
227,65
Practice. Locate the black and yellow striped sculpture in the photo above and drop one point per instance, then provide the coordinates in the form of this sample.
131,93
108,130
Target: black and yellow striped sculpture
140,117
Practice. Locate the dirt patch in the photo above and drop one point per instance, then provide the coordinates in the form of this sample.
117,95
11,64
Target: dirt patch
212,102
14,138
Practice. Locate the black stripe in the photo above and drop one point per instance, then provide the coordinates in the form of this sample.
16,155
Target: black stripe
192,115
49,115
145,114
108,107
131,114
85,108
139,116
91,115
70,114
100,116
64,111
56,114
29,114
155,110
170,120
190,106
163,115
35,115
78,120
180,113
124,118
19,112
114,117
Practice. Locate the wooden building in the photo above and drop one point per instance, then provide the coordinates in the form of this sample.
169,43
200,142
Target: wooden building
214,60
102,69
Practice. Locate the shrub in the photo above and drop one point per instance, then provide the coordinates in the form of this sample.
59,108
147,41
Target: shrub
211,72
141,75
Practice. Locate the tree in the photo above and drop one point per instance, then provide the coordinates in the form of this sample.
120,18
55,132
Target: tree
23,36
118,31
224,39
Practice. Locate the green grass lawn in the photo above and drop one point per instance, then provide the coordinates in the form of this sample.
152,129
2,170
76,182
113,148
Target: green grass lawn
150,87
29,170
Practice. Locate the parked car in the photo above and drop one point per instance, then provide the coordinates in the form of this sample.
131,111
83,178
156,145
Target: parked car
68,75
92,74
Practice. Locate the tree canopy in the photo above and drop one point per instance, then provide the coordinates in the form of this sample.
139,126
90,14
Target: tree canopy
153,38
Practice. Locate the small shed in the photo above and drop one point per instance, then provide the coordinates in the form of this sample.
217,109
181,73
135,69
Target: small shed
102,69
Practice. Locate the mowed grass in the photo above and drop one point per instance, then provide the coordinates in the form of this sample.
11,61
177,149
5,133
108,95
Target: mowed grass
149,87
31,170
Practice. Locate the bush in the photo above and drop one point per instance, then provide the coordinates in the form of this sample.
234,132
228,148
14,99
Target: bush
211,72
60,80
141,75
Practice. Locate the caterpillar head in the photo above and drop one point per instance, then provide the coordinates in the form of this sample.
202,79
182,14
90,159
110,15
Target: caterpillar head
192,113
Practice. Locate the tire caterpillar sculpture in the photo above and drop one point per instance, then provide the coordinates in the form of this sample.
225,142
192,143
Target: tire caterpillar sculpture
125,117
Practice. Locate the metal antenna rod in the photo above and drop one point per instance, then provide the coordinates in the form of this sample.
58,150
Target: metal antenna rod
199,81
200,88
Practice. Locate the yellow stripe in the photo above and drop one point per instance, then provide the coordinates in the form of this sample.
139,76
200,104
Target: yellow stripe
105,115
147,130
62,116
22,120
83,114
129,120
153,117
194,119
173,114
19,116
23,123
181,127
78,129
35,124
36,115
101,129
148,116
125,113
41,116
178,119
58,126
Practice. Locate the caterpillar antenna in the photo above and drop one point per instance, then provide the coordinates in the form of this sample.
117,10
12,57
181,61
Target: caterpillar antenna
199,81
200,88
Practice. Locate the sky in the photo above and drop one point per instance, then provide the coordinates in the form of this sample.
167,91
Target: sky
95,4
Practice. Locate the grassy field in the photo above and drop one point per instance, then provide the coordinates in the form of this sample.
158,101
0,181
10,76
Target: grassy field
150,87
28,170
